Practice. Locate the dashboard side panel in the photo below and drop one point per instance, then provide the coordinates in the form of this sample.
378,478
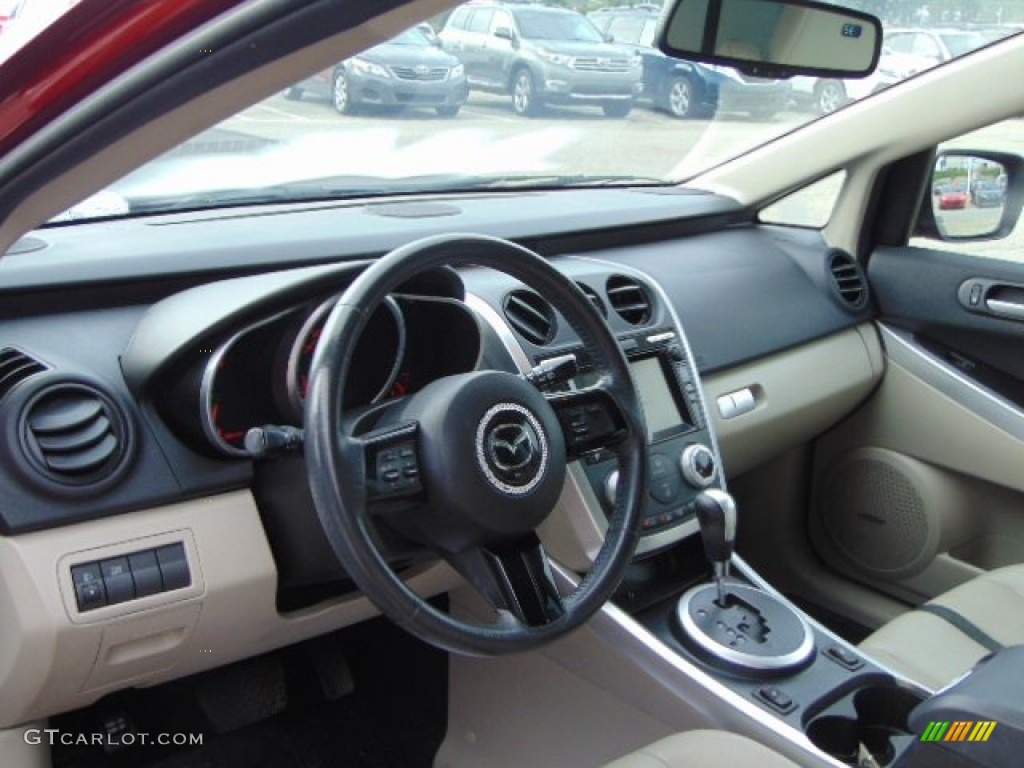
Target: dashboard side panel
53,658
797,394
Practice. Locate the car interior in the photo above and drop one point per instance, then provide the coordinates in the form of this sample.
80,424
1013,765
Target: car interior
584,475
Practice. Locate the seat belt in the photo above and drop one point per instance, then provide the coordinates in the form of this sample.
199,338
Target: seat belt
964,625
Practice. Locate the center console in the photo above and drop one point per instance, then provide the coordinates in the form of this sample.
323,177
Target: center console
681,463
692,597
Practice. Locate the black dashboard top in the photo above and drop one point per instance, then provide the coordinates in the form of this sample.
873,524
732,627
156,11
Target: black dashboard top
134,298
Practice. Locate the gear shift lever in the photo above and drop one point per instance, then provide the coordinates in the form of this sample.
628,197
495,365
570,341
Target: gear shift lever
716,513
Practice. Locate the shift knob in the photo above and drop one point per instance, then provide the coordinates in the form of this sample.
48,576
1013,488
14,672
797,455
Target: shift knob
716,513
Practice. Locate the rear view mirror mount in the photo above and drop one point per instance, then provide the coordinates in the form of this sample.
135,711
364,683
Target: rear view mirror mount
773,38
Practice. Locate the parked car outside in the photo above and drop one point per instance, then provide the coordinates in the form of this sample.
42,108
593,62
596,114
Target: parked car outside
953,198
987,193
683,88
407,71
826,95
540,55
932,46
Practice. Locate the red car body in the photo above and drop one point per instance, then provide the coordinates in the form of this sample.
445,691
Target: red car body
950,201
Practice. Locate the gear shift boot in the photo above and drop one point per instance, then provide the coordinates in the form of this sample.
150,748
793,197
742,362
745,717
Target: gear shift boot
752,630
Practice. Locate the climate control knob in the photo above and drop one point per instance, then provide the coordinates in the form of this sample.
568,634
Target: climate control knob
611,485
698,465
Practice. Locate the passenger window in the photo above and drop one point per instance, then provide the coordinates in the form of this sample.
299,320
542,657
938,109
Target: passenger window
925,46
480,21
967,192
899,43
647,36
501,19
809,207
626,30
458,18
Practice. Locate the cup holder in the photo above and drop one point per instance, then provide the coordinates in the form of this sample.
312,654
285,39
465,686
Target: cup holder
875,717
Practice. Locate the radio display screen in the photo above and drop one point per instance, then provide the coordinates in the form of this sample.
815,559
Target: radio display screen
660,408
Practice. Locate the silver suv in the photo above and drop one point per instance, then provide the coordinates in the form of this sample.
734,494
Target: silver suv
540,56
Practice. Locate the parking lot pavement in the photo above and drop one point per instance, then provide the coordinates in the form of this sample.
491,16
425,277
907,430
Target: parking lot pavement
582,139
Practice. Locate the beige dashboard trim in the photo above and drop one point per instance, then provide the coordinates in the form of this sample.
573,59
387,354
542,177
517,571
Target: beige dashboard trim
52,660
798,394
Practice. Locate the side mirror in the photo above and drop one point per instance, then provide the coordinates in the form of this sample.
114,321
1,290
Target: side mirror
773,38
609,37
504,33
973,195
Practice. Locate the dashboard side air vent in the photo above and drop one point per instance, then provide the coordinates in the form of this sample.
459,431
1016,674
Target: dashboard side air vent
15,367
630,299
74,435
595,299
531,316
847,279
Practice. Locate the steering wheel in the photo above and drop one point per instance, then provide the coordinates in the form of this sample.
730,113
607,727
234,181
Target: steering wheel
473,462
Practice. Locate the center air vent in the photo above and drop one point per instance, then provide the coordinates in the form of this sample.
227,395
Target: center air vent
848,279
15,367
595,299
530,316
629,299
74,435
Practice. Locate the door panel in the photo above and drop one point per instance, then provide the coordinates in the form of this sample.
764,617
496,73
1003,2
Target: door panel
923,487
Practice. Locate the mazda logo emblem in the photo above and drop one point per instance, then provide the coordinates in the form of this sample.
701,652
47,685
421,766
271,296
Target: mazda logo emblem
511,448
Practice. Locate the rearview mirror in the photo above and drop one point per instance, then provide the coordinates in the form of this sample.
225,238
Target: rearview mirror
773,38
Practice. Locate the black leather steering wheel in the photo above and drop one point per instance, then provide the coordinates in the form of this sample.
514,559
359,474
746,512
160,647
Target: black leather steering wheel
471,464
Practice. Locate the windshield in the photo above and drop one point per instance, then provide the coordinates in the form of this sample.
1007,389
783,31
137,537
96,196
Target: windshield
538,25
482,98
958,45
411,37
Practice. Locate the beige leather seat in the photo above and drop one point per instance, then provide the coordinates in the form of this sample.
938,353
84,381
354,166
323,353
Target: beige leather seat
932,650
704,749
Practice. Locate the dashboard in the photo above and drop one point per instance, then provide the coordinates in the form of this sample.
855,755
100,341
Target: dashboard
124,404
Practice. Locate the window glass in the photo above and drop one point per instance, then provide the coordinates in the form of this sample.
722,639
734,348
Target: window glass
627,29
501,19
543,25
808,207
480,21
458,18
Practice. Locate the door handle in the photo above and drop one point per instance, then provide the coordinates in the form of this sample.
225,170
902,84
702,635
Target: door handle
1012,309
992,297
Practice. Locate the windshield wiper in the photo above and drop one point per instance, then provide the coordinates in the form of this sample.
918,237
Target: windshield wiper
348,187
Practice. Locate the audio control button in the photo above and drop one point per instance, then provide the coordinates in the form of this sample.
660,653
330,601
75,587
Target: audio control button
698,465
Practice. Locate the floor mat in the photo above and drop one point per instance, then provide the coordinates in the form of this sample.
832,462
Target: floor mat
394,718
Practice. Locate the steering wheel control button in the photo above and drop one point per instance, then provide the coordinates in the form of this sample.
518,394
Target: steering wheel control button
698,466
117,579
173,567
146,573
89,590
394,469
512,448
